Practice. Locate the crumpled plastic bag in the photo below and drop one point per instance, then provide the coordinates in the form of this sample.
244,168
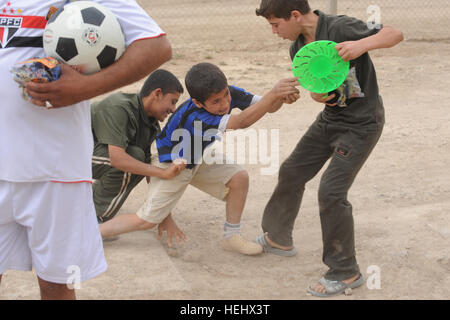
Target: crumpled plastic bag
36,70
350,89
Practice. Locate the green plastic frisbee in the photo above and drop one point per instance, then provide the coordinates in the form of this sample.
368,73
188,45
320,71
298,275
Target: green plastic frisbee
319,68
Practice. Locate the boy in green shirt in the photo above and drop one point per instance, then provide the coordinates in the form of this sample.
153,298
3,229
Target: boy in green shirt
124,127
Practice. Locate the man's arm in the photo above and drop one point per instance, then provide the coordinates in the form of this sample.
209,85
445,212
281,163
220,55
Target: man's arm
387,37
270,102
126,163
139,59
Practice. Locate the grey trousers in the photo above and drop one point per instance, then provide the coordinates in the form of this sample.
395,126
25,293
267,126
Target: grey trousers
348,149
112,186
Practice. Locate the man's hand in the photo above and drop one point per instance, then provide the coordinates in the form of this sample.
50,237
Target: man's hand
65,91
323,98
168,225
139,59
351,50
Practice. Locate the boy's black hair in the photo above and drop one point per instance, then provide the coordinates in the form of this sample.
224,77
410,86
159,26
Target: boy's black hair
282,8
162,79
204,79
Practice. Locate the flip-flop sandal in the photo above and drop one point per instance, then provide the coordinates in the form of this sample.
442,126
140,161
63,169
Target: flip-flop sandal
267,248
334,288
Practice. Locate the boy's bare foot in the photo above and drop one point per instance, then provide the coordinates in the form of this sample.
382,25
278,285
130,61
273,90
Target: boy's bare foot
335,287
276,245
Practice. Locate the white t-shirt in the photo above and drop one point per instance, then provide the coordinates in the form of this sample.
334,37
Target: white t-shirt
37,144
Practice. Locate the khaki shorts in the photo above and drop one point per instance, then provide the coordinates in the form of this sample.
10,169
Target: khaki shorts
163,195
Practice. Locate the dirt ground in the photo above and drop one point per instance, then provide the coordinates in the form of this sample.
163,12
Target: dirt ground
400,198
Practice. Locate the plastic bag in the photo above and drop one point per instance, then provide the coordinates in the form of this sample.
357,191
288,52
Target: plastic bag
350,89
36,70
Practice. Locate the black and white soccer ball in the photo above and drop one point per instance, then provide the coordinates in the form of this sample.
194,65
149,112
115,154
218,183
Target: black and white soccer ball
85,34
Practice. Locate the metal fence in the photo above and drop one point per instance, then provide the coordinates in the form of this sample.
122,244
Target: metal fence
192,21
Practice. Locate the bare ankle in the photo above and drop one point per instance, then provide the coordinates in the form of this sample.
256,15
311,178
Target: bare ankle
276,245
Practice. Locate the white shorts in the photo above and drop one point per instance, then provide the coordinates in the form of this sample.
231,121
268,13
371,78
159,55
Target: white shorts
51,227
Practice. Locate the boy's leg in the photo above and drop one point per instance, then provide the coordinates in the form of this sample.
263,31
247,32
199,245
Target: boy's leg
237,195
162,198
112,186
302,165
351,152
124,223
228,182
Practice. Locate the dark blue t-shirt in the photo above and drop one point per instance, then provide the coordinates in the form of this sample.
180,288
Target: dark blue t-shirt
191,129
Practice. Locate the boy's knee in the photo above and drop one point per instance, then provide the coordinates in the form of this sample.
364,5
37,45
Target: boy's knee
239,180
329,195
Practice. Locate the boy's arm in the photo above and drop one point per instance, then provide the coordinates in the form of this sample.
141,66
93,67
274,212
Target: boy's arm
126,163
268,103
387,37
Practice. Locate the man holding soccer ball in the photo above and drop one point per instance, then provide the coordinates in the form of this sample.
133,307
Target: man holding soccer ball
47,215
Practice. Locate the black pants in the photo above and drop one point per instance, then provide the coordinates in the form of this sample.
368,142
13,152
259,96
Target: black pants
348,148
112,186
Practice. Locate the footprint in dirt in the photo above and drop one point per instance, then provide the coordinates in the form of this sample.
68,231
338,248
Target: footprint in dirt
444,263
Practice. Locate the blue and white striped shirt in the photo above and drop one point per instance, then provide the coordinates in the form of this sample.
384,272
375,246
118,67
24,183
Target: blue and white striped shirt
191,129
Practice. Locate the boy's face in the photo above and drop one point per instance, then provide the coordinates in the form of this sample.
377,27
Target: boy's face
217,103
286,29
159,105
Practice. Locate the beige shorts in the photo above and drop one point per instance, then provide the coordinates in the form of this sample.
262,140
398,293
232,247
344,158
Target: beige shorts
163,195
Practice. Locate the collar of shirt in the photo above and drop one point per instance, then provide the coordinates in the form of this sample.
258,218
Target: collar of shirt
320,25
148,121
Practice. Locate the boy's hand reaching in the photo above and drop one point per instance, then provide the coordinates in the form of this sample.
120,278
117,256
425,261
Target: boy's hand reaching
286,89
168,225
323,98
290,99
175,168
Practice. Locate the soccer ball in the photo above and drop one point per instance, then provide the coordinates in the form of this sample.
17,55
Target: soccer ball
85,34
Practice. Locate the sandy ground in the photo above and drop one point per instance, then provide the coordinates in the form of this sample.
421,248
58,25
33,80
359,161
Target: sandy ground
400,198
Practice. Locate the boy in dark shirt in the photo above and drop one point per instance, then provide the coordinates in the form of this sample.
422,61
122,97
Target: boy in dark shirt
346,131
